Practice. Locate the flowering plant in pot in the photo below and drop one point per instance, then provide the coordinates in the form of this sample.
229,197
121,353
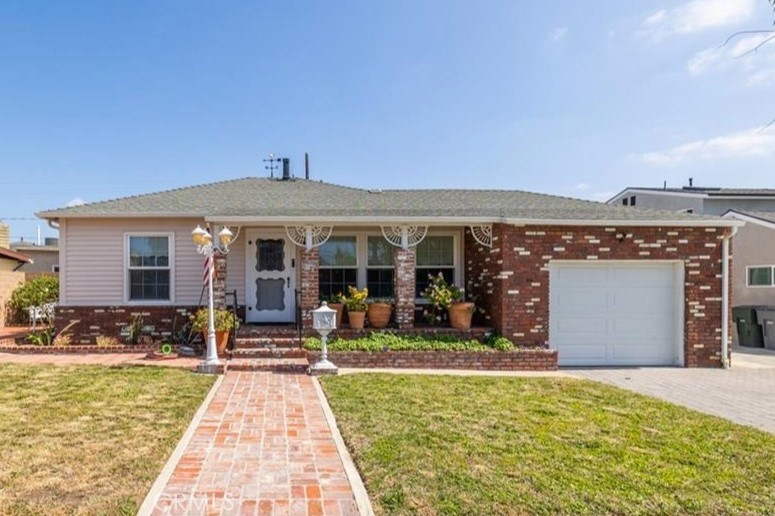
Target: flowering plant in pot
335,302
355,301
379,311
223,320
447,302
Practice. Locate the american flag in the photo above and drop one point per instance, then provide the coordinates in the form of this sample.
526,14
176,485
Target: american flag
208,269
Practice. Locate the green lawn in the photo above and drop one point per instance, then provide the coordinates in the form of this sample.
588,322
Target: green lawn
495,445
87,439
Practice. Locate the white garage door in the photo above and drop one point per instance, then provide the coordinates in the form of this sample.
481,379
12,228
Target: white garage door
615,313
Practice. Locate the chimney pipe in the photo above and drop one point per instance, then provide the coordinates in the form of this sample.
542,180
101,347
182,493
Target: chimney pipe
286,169
306,165
691,182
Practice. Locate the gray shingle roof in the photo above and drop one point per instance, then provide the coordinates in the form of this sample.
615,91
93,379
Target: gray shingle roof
263,197
712,192
766,216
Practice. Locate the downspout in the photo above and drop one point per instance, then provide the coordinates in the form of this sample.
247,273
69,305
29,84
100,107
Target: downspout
725,298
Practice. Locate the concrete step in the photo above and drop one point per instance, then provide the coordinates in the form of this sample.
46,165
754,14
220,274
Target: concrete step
268,352
275,365
266,342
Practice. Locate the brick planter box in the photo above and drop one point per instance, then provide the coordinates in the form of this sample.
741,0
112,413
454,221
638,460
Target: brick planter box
76,349
517,360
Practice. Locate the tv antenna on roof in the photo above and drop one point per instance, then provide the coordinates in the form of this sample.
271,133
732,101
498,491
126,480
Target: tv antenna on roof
271,166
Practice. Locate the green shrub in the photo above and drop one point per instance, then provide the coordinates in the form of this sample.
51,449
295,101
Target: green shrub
391,342
36,292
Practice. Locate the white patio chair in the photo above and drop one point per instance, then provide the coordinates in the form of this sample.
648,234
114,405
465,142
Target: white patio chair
41,313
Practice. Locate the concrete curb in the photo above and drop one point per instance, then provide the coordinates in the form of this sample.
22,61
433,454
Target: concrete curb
356,482
161,481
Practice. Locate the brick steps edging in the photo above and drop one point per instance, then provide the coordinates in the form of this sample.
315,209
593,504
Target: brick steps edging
74,349
517,360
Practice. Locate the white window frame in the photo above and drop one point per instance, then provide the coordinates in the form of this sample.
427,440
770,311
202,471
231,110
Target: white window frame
362,253
748,276
457,258
125,272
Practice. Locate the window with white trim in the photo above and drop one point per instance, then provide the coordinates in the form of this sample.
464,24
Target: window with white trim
149,271
435,255
761,276
379,267
338,266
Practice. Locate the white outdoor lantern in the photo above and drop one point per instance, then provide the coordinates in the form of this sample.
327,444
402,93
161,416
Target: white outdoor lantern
324,322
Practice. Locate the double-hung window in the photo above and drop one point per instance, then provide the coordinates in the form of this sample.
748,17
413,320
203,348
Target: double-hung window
338,265
761,276
435,255
149,270
379,267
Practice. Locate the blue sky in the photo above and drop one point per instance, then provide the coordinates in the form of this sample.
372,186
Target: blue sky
104,99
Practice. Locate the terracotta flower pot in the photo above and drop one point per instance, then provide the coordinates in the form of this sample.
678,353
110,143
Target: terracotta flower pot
339,307
460,315
356,319
379,314
221,340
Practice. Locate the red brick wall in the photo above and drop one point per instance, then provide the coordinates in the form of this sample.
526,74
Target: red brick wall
159,321
511,280
405,261
517,360
308,284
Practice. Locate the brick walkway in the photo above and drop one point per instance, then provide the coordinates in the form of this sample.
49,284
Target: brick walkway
263,447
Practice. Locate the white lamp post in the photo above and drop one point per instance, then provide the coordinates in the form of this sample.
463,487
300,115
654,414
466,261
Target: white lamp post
206,247
324,321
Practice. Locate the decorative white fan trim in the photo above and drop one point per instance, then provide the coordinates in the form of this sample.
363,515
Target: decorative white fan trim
308,237
482,234
404,236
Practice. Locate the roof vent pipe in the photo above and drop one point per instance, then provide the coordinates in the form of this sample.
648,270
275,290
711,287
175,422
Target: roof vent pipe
691,182
286,169
306,165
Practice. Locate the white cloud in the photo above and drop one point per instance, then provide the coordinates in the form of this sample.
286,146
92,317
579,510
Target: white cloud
75,202
744,144
697,15
756,65
558,33
582,186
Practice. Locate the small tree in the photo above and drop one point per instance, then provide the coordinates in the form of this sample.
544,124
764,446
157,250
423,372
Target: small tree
36,292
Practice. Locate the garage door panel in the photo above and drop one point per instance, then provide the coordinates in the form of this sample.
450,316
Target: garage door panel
614,313
581,301
650,276
642,300
572,326
582,276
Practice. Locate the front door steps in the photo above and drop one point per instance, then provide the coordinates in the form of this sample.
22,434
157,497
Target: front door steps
272,349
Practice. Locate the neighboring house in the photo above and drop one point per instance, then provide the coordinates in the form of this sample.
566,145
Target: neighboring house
45,257
604,285
12,260
696,199
753,268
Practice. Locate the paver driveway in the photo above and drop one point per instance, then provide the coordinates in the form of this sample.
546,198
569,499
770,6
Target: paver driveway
745,393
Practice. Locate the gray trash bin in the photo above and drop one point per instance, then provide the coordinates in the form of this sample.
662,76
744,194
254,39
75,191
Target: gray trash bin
766,318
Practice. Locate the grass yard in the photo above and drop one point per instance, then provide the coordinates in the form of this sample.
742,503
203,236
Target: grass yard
496,445
89,439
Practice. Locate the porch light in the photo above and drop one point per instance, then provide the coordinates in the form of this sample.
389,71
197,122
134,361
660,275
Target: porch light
324,322
209,249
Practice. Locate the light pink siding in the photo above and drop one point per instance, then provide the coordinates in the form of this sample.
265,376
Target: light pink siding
93,261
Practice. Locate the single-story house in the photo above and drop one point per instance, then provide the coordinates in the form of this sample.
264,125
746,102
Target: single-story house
602,284
753,269
11,260
45,256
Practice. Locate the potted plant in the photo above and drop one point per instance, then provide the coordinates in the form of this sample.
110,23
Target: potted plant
356,306
447,302
379,312
224,322
336,302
